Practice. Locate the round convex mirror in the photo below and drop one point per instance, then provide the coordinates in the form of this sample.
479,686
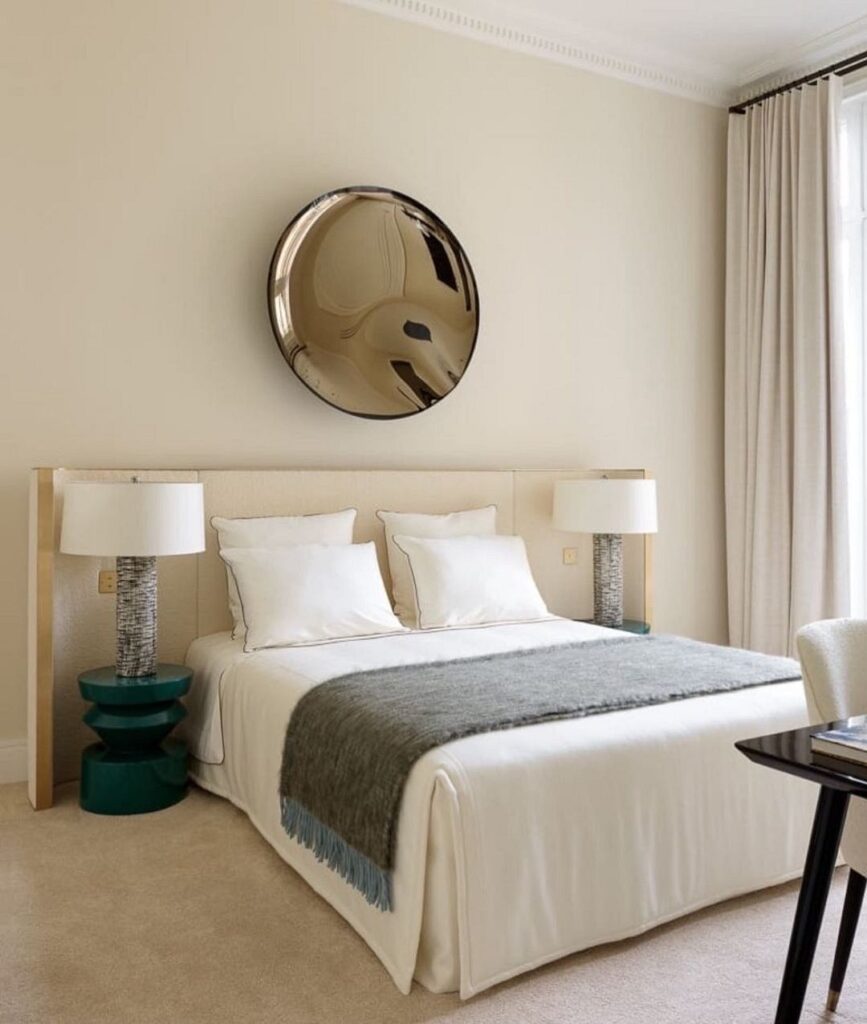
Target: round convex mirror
373,302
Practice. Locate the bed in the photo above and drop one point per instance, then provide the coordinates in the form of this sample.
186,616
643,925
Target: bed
516,848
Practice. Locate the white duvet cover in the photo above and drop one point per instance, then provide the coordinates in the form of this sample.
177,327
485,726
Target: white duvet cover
518,847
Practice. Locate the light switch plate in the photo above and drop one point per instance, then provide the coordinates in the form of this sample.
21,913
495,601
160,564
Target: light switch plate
570,556
107,581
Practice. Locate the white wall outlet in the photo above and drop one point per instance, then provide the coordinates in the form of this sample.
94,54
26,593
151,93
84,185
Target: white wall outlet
570,556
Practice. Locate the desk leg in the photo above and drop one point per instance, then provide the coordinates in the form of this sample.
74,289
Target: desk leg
818,872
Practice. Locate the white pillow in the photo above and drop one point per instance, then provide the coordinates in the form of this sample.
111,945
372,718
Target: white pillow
278,532
465,581
476,522
310,592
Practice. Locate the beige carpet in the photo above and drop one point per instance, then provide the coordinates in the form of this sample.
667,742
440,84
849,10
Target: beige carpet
188,916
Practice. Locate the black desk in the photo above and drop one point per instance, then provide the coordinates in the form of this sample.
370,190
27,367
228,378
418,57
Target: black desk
790,752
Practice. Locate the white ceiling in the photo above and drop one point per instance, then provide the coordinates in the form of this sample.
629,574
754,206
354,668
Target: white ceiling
727,38
711,49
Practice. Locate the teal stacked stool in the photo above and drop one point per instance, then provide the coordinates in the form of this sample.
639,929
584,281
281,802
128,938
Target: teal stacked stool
137,767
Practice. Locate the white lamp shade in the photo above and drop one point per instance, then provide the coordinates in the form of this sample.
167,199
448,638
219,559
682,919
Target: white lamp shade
605,506
132,519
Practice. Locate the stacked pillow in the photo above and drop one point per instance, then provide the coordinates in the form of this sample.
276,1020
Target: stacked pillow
278,532
310,593
476,522
300,580
471,581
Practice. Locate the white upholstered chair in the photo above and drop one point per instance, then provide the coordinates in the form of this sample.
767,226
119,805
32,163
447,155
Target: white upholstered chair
833,657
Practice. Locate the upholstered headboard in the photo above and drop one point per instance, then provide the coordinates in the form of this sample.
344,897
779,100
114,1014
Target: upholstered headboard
72,625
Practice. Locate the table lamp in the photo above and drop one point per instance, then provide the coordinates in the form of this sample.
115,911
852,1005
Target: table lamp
607,509
135,522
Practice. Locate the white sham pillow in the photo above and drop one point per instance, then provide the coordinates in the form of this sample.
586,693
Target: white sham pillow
464,581
308,593
476,522
278,532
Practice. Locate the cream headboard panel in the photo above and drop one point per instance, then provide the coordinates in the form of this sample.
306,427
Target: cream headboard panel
72,626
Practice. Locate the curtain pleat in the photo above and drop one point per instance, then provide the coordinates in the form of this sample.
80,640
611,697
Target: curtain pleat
785,457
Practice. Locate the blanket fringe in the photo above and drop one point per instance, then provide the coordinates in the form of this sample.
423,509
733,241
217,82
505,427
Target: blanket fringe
372,881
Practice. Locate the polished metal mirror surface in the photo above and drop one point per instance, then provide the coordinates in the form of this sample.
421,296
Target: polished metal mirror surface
373,302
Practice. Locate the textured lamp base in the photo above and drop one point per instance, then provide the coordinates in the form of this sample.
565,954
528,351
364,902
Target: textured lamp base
136,616
608,579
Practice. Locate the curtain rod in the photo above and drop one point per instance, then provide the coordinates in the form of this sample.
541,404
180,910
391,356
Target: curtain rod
842,67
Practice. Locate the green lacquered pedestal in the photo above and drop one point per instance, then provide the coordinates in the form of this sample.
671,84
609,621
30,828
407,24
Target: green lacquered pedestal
629,626
136,768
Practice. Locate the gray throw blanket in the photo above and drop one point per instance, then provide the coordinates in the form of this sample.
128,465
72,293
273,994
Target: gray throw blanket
352,741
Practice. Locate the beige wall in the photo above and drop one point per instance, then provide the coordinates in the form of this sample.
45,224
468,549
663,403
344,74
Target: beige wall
152,154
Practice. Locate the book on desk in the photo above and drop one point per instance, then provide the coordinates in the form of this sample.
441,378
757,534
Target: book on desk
843,749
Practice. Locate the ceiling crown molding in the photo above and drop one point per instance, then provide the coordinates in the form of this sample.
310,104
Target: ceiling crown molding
537,39
792,64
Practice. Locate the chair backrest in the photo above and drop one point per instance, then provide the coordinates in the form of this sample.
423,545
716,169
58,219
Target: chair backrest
833,657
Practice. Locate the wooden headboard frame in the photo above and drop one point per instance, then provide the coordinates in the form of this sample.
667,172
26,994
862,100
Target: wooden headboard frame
71,626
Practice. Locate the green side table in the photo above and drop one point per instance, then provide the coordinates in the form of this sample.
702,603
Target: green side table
136,768
629,626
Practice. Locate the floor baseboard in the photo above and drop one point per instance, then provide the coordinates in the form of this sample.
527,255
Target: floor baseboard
13,761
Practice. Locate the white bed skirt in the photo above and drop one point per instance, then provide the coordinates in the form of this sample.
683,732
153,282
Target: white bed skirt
516,848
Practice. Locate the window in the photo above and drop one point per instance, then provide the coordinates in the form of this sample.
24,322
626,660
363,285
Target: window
853,171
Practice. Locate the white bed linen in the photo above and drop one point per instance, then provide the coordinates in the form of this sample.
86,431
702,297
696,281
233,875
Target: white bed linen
518,847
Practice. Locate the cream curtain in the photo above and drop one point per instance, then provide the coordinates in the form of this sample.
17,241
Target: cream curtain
785,457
